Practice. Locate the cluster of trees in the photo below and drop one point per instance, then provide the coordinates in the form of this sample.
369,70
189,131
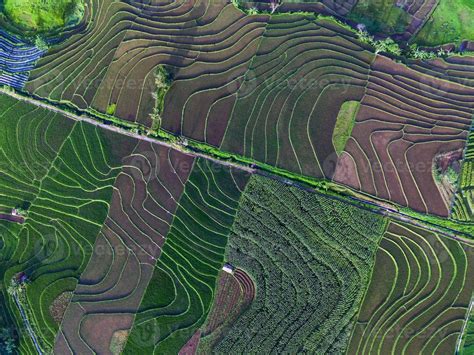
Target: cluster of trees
7,341
308,252
388,45
163,80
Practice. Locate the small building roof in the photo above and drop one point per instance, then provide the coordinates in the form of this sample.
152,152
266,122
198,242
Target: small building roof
229,268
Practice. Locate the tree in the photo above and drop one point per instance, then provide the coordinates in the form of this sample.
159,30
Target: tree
40,43
7,341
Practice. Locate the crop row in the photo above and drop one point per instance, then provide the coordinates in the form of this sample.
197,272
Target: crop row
17,58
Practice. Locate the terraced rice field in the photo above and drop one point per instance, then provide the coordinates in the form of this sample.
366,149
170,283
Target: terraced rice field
264,87
67,197
112,62
17,59
303,72
235,292
405,121
23,166
463,208
458,69
112,286
418,296
310,258
181,291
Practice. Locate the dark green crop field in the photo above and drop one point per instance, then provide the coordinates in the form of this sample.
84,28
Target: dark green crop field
310,253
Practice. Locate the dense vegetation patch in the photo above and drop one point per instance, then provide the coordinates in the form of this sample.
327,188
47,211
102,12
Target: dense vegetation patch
40,16
344,124
311,259
451,22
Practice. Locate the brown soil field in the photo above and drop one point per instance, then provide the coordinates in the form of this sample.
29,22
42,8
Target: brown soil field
112,286
404,123
208,44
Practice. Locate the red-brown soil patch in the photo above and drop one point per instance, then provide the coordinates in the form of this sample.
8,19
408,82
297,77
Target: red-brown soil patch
11,218
234,294
191,346
59,306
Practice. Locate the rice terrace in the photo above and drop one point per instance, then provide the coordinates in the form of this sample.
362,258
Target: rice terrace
237,177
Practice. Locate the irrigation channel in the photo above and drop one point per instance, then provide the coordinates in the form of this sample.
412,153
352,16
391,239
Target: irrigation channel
27,323
250,168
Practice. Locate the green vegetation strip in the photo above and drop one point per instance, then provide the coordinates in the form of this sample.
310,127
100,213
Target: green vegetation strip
344,124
